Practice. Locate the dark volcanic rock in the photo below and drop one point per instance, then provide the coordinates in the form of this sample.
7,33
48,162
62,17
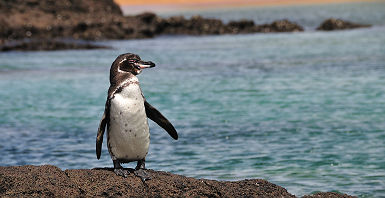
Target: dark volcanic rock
96,20
62,7
78,19
147,17
280,26
196,25
328,195
242,26
103,19
44,45
50,181
338,24
32,181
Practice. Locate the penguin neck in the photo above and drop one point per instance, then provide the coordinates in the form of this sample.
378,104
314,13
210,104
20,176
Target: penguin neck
120,78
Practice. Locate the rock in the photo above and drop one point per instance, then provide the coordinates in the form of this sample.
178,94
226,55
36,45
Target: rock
196,25
147,17
328,195
44,45
47,19
101,20
32,181
280,26
338,24
242,26
62,8
50,181
286,26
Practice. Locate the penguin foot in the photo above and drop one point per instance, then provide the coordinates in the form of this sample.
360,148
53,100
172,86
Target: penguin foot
141,164
121,172
142,174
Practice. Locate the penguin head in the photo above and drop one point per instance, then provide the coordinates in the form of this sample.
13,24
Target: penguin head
130,63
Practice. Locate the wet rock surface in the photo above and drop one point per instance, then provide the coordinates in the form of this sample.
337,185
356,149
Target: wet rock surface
338,24
50,181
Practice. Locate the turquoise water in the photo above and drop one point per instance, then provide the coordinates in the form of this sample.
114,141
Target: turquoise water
305,110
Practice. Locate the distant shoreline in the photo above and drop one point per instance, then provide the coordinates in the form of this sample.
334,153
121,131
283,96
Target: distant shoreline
50,26
136,7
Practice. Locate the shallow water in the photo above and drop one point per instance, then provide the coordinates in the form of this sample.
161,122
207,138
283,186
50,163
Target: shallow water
302,110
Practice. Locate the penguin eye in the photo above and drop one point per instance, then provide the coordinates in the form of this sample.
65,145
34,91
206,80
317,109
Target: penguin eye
132,61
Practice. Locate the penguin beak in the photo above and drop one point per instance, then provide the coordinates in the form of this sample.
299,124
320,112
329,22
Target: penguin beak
145,64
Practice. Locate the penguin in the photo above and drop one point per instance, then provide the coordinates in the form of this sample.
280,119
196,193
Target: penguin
125,117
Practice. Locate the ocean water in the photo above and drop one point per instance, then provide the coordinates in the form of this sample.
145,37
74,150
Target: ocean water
303,110
309,16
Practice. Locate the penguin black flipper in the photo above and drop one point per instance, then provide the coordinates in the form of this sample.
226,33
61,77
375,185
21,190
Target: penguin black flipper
99,136
104,121
157,117
101,129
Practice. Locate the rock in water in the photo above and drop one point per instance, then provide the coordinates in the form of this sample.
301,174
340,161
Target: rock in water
45,45
280,26
242,26
338,24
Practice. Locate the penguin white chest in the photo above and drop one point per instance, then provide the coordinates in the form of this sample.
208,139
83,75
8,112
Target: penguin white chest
128,133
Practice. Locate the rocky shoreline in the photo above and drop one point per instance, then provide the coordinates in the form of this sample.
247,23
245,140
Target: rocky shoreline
338,24
51,181
50,44
38,20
